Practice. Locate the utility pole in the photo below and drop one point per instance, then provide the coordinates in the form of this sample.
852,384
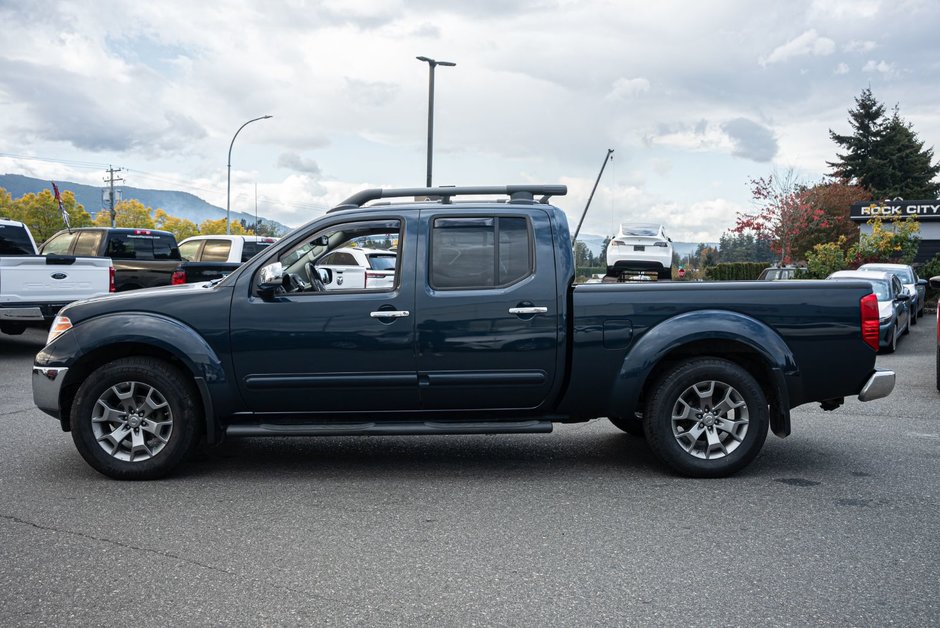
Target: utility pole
110,179
256,208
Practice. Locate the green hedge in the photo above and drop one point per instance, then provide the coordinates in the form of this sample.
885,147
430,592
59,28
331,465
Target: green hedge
729,271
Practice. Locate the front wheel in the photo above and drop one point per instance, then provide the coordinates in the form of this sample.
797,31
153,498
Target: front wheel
706,418
135,419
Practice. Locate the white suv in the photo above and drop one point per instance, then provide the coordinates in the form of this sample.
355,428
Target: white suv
355,268
640,247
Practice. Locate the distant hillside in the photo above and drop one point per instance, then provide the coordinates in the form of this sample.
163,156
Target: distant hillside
179,204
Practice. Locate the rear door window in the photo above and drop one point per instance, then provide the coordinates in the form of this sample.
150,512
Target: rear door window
87,243
473,253
14,240
216,251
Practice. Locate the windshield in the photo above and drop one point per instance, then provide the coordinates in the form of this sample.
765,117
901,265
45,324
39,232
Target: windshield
904,274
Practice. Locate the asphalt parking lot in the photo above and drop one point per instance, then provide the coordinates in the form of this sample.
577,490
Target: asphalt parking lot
838,524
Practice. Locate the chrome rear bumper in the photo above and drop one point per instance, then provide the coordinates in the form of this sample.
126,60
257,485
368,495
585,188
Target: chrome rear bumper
879,385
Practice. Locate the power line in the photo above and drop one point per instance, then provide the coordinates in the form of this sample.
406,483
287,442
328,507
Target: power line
91,165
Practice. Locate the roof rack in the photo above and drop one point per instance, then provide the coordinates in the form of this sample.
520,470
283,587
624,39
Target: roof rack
515,192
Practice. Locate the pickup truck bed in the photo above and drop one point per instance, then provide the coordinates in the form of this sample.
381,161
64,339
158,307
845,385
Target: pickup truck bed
481,331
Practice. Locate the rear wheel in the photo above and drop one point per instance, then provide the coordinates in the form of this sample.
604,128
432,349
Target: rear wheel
706,418
135,419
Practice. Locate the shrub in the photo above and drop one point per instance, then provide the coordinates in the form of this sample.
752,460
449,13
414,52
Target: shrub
731,271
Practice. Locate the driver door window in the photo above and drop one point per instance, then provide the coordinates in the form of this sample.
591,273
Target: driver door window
336,259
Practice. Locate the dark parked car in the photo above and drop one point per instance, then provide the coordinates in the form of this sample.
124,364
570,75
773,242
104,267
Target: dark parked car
142,258
779,273
894,304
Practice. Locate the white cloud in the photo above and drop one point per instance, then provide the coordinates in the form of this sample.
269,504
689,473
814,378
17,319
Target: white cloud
881,67
860,46
809,43
842,68
626,89
845,9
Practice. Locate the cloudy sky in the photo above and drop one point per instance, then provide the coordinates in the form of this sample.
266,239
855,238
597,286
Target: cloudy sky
694,97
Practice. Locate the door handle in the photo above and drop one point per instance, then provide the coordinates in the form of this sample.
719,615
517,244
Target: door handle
390,314
528,310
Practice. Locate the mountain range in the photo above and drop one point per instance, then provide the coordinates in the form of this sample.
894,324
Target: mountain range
179,204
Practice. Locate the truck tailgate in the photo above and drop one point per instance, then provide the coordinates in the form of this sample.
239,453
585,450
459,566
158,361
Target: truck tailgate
39,279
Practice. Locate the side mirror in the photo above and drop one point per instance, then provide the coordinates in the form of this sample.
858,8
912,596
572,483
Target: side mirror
326,275
921,282
270,279
935,282
904,297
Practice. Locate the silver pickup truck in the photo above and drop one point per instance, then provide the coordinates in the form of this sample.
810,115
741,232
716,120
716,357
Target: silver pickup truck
33,287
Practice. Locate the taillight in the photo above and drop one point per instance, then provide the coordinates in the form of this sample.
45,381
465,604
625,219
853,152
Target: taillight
372,276
178,278
871,329
111,285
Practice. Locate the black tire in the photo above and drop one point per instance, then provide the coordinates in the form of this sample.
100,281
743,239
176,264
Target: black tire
913,317
907,328
12,329
748,420
632,426
666,273
167,431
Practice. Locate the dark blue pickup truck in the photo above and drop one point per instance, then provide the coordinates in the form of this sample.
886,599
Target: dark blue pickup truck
481,331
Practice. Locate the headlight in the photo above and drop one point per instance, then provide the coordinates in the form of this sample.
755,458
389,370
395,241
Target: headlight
60,325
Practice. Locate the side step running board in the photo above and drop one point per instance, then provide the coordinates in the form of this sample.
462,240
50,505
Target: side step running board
390,428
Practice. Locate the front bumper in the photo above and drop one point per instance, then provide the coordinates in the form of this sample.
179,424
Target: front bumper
47,384
879,385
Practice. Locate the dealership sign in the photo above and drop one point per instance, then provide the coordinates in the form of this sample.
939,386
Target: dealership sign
922,210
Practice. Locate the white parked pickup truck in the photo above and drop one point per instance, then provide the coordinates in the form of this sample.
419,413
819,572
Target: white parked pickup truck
33,287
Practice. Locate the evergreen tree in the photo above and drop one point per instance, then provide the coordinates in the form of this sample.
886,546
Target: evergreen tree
908,164
884,155
861,161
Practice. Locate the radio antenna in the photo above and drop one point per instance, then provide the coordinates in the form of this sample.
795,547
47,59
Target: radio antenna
607,157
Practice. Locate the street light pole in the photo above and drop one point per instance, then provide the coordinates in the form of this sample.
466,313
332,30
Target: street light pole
228,192
431,65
